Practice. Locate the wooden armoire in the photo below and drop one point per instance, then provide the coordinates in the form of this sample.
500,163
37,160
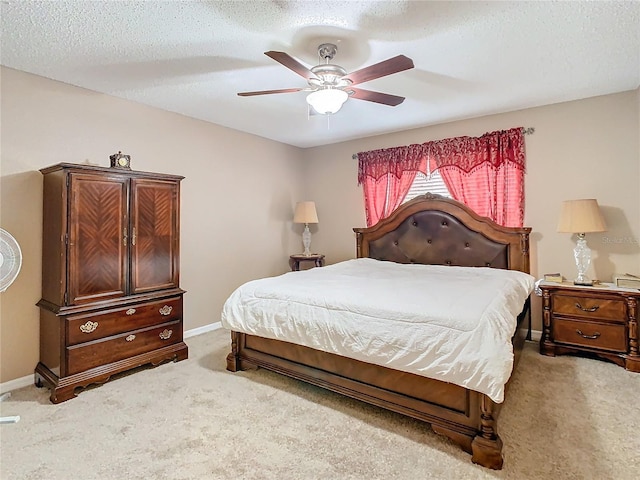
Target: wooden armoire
111,299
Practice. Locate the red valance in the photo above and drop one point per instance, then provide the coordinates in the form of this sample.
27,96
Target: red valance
464,153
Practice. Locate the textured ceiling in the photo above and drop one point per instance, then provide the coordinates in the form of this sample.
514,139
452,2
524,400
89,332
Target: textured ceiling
192,57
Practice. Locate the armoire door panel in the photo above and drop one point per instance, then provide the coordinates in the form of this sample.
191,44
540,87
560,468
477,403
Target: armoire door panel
97,238
154,241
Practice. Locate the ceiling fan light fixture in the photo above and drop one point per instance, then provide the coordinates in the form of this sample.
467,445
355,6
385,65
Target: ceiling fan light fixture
327,100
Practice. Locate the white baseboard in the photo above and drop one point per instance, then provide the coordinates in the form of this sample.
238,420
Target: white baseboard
200,330
536,335
16,384
28,380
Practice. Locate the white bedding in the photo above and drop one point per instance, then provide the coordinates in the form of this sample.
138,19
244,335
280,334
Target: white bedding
449,323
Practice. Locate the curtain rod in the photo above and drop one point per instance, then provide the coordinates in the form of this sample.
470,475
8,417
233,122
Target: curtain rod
526,131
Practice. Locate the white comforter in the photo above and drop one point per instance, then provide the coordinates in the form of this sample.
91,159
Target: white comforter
449,323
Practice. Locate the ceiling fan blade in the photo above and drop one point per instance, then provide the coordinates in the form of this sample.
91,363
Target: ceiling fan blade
382,69
377,97
291,63
268,92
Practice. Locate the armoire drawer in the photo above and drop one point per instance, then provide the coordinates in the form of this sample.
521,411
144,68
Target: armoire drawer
92,326
101,352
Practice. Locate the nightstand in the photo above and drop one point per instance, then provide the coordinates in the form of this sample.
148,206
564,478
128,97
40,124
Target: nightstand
295,260
601,321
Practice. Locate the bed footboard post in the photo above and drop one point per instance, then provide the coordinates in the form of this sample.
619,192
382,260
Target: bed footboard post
487,446
233,359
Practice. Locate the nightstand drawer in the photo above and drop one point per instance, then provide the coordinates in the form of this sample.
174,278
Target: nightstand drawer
591,307
101,352
590,334
87,327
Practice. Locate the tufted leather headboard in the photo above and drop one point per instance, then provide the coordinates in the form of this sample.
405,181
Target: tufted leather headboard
435,230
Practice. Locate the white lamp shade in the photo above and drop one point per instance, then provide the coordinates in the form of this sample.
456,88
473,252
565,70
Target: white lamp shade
305,213
581,216
328,100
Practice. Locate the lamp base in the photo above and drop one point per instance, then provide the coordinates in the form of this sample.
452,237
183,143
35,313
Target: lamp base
306,240
582,255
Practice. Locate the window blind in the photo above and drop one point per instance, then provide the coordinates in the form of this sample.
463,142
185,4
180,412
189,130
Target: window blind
423,184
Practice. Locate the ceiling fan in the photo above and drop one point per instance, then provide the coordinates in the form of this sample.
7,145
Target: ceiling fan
330,85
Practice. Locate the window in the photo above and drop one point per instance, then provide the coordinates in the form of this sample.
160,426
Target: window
484,173
423,184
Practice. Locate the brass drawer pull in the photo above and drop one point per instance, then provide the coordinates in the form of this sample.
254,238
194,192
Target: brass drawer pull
88,327
590,337
130,338
592,309
166,310
166,334
131,311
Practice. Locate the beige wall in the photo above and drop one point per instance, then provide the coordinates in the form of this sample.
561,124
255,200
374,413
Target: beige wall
237,197
582,149
239,191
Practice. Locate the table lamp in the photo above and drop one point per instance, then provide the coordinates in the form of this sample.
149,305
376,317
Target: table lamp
306,213
581,217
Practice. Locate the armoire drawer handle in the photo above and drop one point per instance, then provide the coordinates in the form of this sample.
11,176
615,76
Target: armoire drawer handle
131,311
88,327
166,310
592,309
130,338
166,334
590,337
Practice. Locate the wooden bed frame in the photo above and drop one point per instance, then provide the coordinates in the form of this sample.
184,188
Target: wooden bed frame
427,230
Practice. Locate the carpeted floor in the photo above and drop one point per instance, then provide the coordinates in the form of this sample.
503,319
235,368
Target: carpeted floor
564,418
